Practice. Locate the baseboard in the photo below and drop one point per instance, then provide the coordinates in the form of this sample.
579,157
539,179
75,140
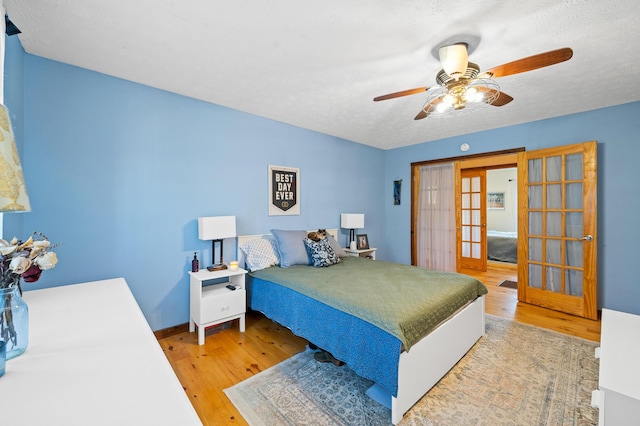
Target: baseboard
171,331
183,328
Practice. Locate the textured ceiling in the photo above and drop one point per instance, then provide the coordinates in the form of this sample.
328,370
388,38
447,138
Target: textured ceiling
319,64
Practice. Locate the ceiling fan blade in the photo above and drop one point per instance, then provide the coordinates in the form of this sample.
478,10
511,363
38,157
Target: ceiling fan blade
502,98
424,114
530,63
402,93
421,115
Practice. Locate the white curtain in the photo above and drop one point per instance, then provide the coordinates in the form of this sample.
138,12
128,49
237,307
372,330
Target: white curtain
436,222
573,255
513,193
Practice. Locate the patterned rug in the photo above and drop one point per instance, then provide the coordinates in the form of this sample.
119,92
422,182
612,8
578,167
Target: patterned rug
515,375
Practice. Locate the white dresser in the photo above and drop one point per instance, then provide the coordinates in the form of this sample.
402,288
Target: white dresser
92,359
618,394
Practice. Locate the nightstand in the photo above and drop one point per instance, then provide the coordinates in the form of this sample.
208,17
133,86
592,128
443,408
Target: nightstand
370,252
214,303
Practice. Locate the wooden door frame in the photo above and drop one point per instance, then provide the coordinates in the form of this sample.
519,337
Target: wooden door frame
493,159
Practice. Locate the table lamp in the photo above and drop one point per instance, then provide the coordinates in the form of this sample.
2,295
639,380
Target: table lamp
216,229
352,221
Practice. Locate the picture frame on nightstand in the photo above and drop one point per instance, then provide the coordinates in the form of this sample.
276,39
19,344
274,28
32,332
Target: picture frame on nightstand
362,242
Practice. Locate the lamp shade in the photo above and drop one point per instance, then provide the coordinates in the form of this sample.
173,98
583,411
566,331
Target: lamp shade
352,220
216,227
454,59
13,192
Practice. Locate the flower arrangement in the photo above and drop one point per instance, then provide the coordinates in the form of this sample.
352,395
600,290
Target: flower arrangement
25,260
20,260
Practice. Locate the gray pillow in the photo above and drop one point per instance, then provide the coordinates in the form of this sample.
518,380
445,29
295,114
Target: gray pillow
335,246
291,248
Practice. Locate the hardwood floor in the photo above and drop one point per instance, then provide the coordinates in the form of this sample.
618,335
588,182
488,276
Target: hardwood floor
503,302
229,357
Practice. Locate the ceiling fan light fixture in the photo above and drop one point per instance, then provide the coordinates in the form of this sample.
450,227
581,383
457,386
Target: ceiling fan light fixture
460,98
483,90
442,107
448,99
473,95
454,59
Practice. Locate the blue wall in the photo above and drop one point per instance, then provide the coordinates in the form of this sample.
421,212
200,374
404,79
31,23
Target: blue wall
616,130
119,172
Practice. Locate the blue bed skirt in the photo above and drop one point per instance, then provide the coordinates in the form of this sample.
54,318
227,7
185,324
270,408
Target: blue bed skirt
369,351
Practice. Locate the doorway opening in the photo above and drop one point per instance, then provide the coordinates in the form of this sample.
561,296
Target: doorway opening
502,215
469,208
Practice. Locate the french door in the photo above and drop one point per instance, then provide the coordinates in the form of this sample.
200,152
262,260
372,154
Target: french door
557,229
471,247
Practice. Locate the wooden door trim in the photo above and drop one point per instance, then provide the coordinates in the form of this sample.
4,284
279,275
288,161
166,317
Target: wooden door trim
467,157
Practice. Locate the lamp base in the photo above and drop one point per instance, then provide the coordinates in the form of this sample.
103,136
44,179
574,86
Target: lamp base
217,267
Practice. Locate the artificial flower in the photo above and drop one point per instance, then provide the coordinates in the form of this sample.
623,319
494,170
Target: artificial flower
19,264
25,259
46,261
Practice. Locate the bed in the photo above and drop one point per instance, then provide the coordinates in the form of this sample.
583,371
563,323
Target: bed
502,246
343,310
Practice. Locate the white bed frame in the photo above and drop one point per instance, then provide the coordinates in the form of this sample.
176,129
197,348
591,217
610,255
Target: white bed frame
429,359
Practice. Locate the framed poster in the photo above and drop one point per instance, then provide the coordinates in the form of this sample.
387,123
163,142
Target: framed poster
495,200
284,191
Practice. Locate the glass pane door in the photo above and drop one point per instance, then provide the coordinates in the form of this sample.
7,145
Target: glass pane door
472,220
558,260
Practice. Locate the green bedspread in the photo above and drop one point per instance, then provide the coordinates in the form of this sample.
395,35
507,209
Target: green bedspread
406,301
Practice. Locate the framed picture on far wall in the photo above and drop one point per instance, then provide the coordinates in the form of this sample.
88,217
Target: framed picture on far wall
495,200
362,242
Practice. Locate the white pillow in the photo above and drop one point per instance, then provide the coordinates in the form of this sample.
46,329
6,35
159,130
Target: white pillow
260,253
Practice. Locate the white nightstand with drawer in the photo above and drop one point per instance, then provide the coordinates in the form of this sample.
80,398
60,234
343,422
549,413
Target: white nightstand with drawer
370,253
214,303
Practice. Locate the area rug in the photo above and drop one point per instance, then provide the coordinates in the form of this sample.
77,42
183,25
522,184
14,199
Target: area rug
509,284
515,375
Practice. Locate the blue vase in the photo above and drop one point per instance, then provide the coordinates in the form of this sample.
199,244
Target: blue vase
14,321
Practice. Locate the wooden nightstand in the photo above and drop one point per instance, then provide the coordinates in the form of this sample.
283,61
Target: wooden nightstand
214,303
370,253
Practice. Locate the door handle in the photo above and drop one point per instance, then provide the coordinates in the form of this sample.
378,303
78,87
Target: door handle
586,238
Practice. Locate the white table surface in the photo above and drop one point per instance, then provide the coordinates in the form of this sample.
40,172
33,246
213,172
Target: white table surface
92,359
619,353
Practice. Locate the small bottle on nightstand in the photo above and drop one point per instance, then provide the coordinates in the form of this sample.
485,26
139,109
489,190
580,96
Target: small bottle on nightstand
195,265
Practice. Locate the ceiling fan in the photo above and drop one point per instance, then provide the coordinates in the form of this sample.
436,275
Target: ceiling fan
461,85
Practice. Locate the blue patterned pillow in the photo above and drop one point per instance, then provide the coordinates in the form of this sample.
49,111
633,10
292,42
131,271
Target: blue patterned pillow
260,253
321,252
